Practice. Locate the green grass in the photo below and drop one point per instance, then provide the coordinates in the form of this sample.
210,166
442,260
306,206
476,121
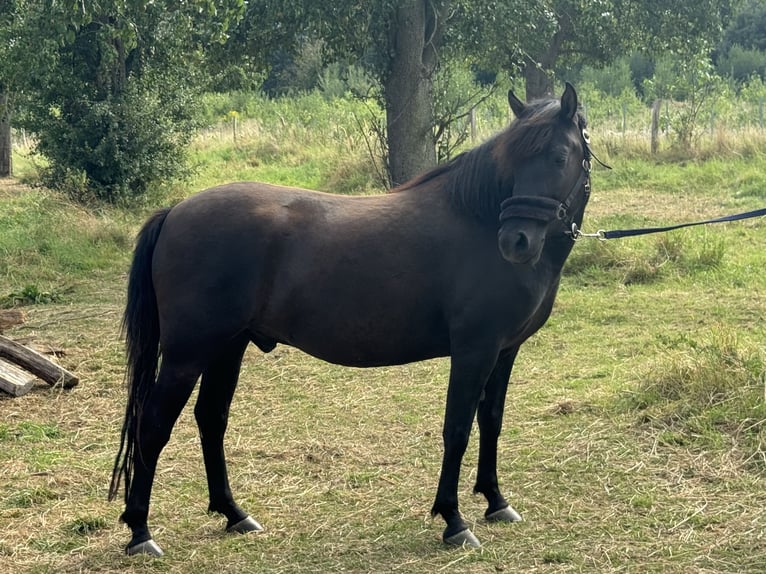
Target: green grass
633,437
48,245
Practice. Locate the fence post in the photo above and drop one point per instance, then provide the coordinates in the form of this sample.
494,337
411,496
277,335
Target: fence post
624,117
472,116
655,124
760,112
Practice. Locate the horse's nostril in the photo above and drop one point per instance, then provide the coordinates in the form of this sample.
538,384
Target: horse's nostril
522,242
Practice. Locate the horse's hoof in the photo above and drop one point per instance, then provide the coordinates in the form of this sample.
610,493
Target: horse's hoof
148,547
247,524
506,514
463,538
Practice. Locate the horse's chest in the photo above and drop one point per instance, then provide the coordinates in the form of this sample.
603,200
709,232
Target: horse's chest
525,306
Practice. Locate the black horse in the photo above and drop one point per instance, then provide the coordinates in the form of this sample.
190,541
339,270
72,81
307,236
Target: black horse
463,261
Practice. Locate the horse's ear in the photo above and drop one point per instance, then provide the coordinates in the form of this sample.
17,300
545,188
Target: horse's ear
569,102
516,104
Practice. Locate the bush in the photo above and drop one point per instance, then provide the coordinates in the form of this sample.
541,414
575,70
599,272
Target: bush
742,64
613,80
116,148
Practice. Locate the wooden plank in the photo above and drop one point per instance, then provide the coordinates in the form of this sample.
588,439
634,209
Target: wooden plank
14,380
36,363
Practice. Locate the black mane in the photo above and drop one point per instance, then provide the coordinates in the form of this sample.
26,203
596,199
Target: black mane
481,178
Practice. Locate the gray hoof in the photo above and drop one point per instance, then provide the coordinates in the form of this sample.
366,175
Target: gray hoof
247,524
463,538
506,514
149,547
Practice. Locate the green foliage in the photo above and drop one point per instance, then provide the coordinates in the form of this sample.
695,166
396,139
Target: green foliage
641,69
690,80
611,110
110,99
614,80
306,140
298,73
742,64
29,295
338,80
116,148
455,93
748,27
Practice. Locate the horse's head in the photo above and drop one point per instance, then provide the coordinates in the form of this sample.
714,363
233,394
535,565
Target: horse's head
548,147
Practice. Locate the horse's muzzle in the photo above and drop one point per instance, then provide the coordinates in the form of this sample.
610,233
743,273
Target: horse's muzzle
521,240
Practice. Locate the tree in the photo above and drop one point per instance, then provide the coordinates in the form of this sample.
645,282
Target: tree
569,33
402,43
398,43
6,150
415,41
9,71
110,99
742,51
748,28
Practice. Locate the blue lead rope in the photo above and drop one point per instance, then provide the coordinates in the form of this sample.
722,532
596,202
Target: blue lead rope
618,233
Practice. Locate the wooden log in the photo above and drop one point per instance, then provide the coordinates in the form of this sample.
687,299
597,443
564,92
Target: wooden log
36,363
15,381
11,317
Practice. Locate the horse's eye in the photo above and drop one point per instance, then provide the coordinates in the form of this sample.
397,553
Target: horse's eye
561,160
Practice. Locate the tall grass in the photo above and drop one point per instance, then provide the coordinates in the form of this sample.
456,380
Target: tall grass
48,245
706,391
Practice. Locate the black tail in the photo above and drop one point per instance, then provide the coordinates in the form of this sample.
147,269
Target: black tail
140,326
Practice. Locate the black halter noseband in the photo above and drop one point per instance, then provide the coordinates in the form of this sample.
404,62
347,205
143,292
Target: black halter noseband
546,209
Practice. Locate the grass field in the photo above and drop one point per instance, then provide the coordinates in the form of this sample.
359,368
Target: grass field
634,437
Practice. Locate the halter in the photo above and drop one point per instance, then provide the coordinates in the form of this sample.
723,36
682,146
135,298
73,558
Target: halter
546,209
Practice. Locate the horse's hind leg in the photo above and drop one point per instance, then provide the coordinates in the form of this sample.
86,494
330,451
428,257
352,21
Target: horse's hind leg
490,418
212,413
160,411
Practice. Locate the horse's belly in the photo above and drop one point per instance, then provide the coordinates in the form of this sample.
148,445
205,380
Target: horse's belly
362,336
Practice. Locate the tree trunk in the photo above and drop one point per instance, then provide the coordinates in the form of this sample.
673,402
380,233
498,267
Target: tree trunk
408,88
539,81
538,70
6,158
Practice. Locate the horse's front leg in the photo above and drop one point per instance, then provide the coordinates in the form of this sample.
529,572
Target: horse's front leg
468,375
490,417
